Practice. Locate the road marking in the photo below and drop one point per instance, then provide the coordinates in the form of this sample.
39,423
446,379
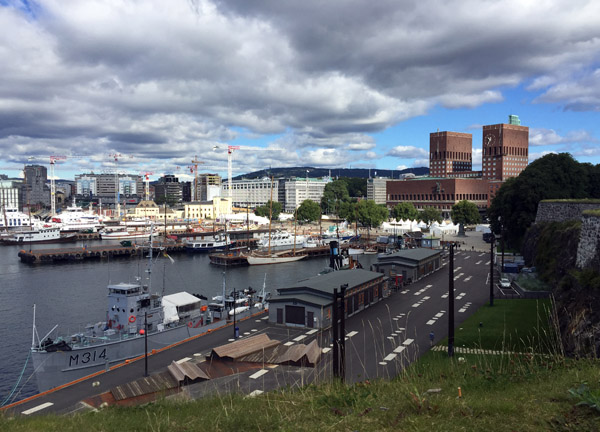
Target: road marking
246,333
439,315
390,357
482,254
459,275
445,295
468,278
407,342
468,256
299,338
403,292
37,408
313,331
325,350
478,262
391,337
265,318
255,393
382,363
183,360
259,320
395,319
416,305
352,333
399,349
289,343
428,286
401,329
457,269
253,330
431,322
488,263
258,374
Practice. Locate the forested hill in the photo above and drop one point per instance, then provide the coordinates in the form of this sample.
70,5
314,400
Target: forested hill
335,172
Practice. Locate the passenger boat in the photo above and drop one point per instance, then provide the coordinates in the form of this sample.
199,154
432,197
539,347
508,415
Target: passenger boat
257,258
208,244
131,308
12,218
74,218
124,235
37,236
281,240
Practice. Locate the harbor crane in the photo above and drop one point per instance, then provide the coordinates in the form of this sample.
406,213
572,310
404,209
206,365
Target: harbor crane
147,182
194,170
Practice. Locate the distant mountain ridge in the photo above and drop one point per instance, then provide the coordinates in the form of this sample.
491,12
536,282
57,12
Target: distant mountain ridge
335,172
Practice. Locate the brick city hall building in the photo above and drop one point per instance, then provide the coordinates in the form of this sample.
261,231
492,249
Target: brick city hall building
505,152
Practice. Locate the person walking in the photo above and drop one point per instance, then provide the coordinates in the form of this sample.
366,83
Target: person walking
431,337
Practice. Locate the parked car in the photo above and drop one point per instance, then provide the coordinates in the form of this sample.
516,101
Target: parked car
528,270
504,283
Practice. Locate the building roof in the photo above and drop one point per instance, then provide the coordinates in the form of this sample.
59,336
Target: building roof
328,282
418,254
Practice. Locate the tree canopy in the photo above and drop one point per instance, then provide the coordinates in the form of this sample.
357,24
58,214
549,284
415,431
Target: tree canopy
430,215
405,210
309,211
465,212
334,193
264,210
370,214
554,176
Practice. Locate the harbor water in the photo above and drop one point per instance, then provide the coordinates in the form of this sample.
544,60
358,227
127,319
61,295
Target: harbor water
74,294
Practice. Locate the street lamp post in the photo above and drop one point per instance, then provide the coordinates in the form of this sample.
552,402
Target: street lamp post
451,302
501,241
492,271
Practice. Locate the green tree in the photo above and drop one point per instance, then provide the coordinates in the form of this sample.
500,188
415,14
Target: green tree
370,214
264,211
334,193
405,210
430,215
554,176
357,187
347,210
309,211
465,212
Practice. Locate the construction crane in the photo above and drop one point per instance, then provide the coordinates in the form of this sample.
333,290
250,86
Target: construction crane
116,157
230,150
194,169
147,181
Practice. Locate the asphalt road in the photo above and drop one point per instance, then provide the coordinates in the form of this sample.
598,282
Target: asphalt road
380,340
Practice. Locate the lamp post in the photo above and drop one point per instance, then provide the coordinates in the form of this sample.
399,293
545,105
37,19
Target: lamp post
492,271
501,241
451,303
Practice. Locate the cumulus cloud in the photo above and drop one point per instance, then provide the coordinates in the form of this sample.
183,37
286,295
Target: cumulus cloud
543,137
408,152
166,80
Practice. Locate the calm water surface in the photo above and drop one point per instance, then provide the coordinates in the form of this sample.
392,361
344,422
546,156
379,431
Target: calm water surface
73,295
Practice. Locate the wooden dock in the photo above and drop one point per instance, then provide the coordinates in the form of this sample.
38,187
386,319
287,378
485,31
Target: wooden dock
78,254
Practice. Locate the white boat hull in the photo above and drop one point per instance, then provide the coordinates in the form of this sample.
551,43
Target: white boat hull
262,260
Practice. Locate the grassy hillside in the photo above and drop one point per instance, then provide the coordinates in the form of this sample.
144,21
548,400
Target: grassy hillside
531,390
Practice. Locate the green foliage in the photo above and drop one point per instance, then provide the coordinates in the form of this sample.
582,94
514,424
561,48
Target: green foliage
405,210
334,194
554,176
347,210
357,187
265,210
465,212
588,278
430,215
556,249
370,214
309,211
586,397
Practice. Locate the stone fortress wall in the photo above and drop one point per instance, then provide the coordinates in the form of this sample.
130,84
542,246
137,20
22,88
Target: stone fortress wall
588,211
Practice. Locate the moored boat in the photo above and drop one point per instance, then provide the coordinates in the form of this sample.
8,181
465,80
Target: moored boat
208,244
37,236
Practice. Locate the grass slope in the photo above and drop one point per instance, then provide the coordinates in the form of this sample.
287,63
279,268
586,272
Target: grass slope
517,392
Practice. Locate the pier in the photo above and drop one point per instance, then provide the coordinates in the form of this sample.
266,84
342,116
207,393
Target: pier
43,256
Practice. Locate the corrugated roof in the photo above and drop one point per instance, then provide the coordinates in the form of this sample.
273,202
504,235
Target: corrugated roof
244,347
329,281
146,385
181,371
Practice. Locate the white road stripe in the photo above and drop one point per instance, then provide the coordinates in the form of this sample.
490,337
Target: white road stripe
468,256
399,349
431,322
478,262
299,338
313,331
37,408
382,363
352,333
325,350
389,357
255,393
407,342
487,263
289,343
416,305
440,314
258,374
462,310
183,360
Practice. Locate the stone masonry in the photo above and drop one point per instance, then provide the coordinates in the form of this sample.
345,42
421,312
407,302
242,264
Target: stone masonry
589,240
560,211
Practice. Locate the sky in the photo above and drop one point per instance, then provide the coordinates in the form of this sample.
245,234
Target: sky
331,83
